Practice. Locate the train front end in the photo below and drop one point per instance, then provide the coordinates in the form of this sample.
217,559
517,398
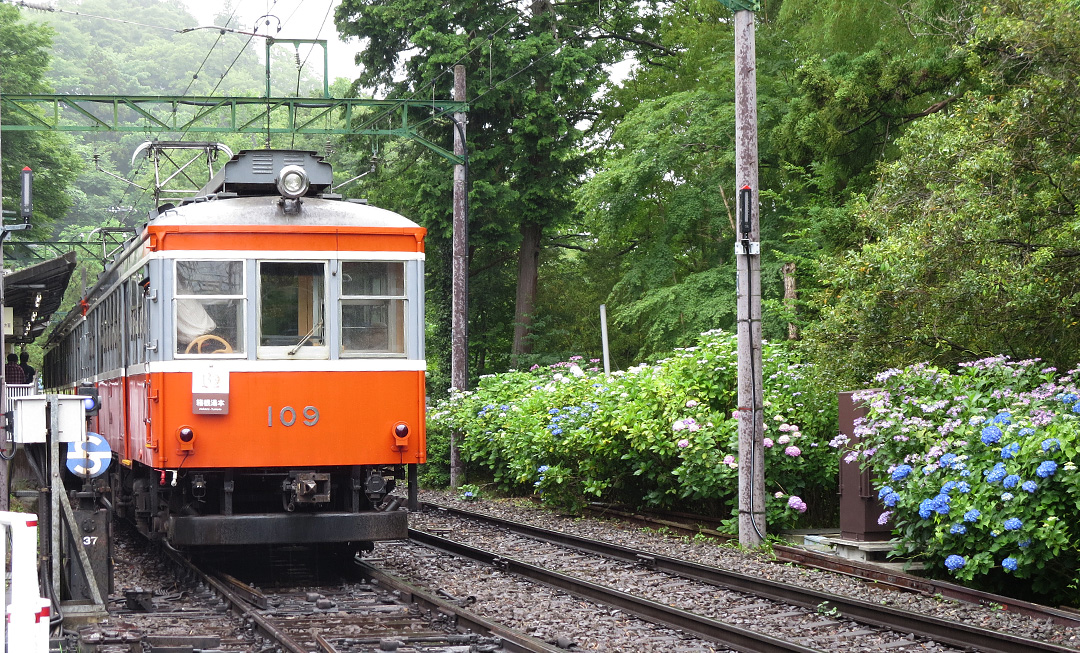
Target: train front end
273,391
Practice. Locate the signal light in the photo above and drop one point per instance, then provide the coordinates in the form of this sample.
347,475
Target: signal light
401,437
92,403
186,436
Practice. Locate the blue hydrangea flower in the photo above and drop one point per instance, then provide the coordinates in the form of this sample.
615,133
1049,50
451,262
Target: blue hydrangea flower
1013,524
1046,468
1076,408
948,487
901,472
1068,398
926,508
990,435
1010,450
972,515
542,469
996,474
1004,417
1051,444
947,460
955,562
1026,431
958,529
1006,496
1011,481
553,411
891,499
1009,564
964,487
1029,486
883,491
1025,543
941,504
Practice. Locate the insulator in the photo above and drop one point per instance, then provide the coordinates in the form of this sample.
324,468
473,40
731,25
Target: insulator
40,6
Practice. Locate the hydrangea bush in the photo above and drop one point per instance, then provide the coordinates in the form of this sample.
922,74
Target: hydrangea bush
657,435
978,471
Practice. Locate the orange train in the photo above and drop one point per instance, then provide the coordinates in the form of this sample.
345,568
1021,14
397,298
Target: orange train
258,356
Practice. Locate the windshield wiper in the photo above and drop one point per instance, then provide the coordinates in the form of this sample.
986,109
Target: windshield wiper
305,338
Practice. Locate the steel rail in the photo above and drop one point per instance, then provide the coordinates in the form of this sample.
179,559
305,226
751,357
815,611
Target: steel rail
925,586
239,604
741,639
939,630
696,524
513,640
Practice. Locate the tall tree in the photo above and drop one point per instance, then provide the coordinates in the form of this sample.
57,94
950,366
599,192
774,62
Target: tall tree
971,233
535,69
24,59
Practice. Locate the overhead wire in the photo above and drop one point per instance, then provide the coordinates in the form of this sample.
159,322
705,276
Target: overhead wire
222,31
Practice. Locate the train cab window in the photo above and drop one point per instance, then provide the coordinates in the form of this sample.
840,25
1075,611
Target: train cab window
372,308
209,307
292,317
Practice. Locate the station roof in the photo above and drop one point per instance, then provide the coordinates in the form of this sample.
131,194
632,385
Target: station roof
34,293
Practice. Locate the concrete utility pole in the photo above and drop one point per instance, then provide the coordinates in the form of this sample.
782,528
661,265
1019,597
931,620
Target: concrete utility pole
751,419
459,320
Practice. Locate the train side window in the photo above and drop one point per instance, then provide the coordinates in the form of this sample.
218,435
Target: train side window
372,307
292,313
209,307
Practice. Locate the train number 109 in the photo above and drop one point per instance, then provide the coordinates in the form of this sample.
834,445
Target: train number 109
287,416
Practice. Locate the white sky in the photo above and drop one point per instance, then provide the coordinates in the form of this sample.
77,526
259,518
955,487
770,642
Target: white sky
300,19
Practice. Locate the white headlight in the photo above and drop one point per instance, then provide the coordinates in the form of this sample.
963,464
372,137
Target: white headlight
292,182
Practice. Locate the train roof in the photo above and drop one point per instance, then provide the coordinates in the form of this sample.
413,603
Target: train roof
264,211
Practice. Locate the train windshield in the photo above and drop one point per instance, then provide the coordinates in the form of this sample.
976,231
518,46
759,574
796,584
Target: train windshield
372,307
292,315
209,307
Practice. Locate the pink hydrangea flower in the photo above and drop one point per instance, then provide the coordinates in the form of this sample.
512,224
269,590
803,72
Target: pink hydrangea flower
795,503
684,443
793,451
779,495
767,442
783,439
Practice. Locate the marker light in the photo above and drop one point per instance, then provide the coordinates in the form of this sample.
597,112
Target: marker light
292,182
401,437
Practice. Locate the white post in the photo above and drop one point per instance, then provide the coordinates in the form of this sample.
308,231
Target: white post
603,337
28,613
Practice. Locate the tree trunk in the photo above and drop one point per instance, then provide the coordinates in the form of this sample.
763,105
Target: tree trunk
790,295
525,304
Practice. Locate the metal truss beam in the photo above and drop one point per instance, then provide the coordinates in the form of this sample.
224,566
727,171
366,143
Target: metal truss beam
216,115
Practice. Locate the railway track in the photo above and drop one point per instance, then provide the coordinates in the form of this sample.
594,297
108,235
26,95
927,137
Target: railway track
742,612
192,609
692,525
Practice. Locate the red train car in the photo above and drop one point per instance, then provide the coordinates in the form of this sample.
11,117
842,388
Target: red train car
259,360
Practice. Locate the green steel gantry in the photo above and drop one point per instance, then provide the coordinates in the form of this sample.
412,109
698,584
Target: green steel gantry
216,115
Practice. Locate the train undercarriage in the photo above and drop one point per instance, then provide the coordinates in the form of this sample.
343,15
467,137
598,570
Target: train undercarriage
349,505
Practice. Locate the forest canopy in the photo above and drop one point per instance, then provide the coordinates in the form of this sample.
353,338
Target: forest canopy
919,165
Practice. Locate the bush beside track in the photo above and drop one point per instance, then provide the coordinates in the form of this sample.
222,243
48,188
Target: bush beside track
661,435
998,437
